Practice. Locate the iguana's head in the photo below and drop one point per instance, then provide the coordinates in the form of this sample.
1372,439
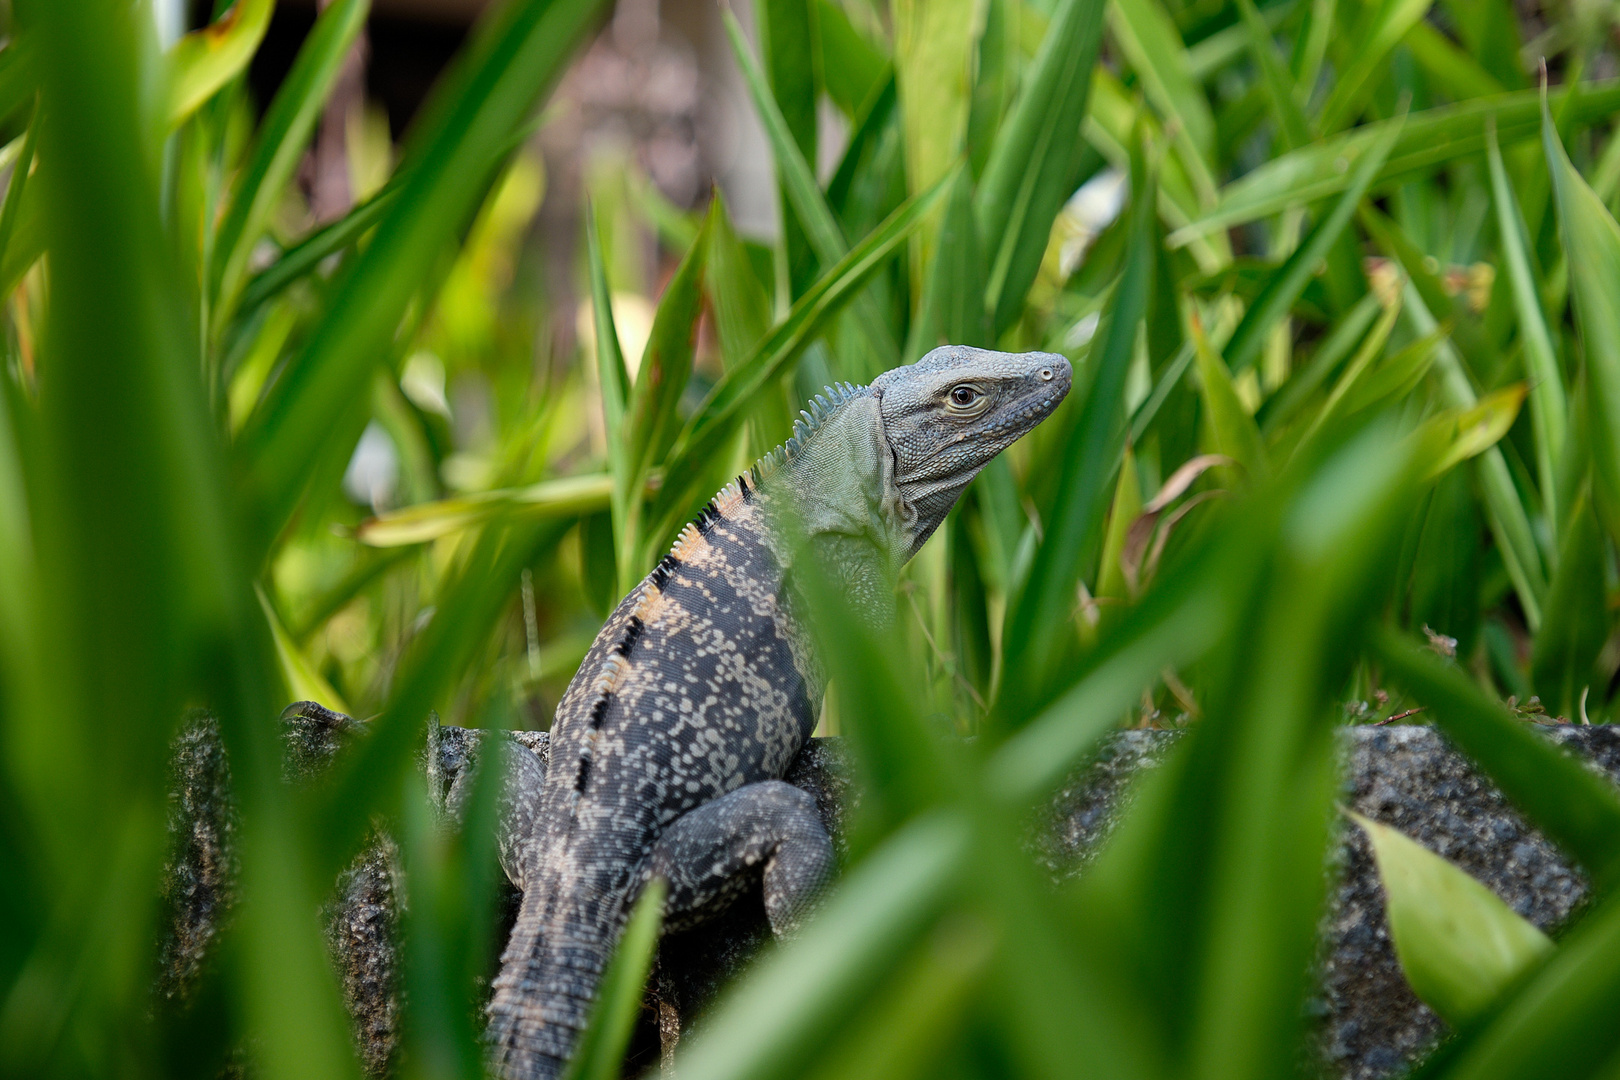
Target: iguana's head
948,414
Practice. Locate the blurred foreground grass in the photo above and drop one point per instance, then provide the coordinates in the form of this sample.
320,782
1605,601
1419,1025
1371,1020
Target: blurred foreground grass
1348,397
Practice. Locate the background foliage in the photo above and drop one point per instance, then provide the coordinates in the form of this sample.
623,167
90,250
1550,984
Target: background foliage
1347,397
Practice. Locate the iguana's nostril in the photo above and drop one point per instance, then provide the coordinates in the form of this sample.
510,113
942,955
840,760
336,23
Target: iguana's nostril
1046,374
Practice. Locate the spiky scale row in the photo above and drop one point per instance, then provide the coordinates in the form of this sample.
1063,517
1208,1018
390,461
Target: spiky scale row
822,406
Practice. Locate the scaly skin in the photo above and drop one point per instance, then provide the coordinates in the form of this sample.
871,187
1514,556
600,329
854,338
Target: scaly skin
668,747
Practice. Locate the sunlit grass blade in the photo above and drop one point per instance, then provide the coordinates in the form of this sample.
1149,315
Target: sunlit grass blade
1285,286
303,682
1282,406
1459,945
600,1053
308,254
1371,348
205,60
1030,171
566,497
280,143
1556,1024
1577,809
1459,434
308,422
1592,247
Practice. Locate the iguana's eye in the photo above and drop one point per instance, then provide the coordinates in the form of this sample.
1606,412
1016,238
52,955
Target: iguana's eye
964,395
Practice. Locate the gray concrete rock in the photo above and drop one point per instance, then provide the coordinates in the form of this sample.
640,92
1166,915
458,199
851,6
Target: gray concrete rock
1370,1024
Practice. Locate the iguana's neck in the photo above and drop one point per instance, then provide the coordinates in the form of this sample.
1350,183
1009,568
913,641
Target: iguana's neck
838,474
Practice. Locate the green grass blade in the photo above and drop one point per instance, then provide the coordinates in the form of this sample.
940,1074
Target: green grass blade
1549,409
613,383
307,421
851,66
1592,246
1578,810
1285,107
1509,521
1564,667
280,142
305,256
1031,168
1383,29
650,421
1037,627
152,606
1148,38
1234,430
14,193
600,1054
809,204
1290,280
952,308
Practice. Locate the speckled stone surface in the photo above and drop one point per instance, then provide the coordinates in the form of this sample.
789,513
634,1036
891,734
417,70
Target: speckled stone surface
1371,1026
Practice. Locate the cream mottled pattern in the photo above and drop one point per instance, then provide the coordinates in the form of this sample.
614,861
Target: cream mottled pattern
669,744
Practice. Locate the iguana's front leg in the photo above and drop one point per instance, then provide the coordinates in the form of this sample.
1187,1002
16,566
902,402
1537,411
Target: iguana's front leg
767,832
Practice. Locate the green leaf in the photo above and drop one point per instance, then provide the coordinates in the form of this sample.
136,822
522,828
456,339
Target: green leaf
1577,809
789,40
600,1053
1505,511
1459,945
280,142
1592,248
1285,107
1548,407
205,60
308,420
1032,165
1290,280
304,683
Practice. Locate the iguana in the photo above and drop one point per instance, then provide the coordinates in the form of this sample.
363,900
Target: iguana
669,744
668,747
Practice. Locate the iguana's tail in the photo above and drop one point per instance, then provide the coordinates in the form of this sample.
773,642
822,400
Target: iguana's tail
549,976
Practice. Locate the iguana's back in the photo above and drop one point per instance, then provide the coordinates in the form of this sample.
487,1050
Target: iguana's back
696,686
